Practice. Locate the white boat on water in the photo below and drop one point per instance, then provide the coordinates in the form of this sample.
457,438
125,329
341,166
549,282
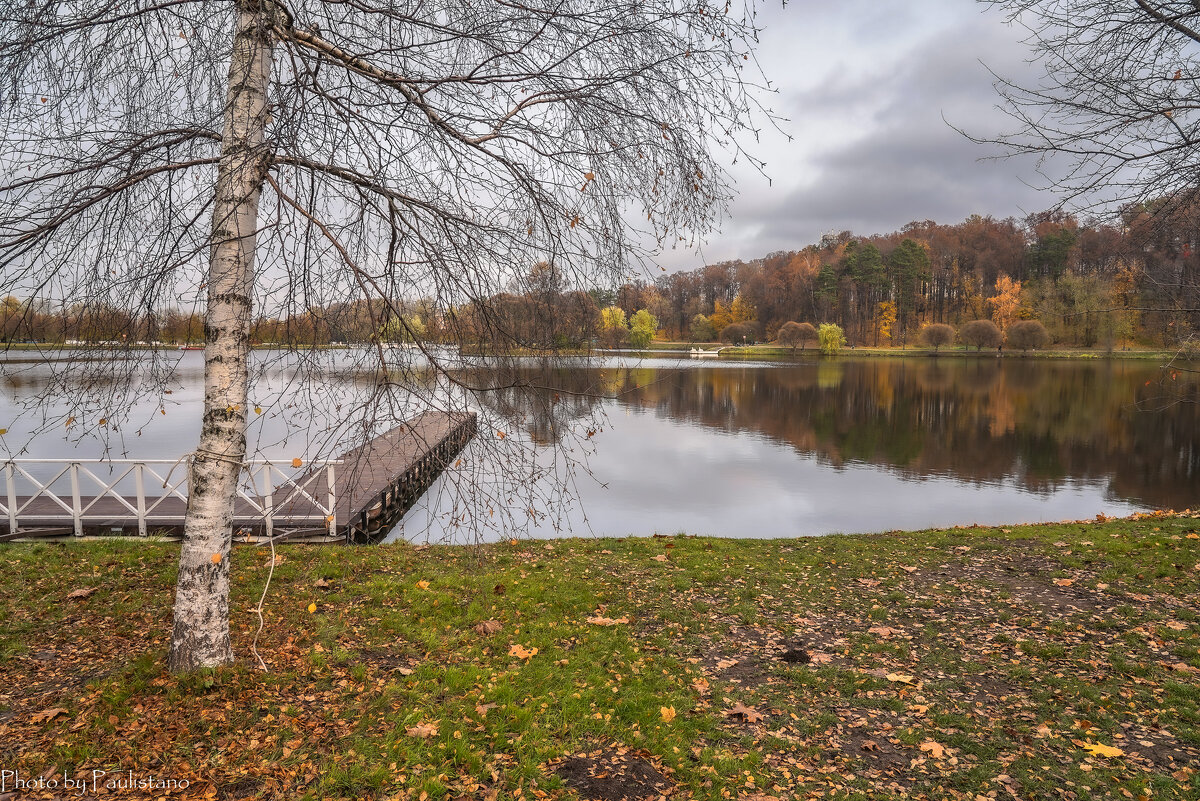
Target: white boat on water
700,353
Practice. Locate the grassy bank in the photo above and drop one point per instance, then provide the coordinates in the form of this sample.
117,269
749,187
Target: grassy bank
1056,661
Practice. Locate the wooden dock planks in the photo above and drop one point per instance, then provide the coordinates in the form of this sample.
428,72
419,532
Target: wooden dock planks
374,485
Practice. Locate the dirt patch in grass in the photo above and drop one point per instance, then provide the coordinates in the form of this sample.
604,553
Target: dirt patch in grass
613,773
1027,577
880,758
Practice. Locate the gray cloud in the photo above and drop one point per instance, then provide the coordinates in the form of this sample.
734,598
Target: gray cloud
871,98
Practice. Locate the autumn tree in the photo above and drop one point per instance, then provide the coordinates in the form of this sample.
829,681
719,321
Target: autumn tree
259,153
642,328
831,337
1006,302
885,321
936,335
740,333
792,333
701,329
1026,335
982,334
614,328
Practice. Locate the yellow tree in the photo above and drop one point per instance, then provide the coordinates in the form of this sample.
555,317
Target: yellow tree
720,317
1006,302
742,310
885,320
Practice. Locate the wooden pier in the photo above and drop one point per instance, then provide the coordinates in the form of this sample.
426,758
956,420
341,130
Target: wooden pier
356,498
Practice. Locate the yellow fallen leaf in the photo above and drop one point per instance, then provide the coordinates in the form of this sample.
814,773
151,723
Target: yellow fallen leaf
423,730
1099,749
424,585
934,749
747,713
700,686
667,712
606,621
521,652
312,608
1064,582
901,678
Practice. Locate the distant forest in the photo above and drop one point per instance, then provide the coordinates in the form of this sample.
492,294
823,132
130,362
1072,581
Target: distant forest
1132,281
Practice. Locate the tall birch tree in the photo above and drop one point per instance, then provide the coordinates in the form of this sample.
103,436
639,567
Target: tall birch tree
250,156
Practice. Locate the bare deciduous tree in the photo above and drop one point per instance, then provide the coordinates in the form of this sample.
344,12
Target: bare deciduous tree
260,155
1117,100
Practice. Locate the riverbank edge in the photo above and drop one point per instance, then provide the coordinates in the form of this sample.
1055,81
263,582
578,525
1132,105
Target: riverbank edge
776,351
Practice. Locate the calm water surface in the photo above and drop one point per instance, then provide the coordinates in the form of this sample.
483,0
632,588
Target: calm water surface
777,449
848,445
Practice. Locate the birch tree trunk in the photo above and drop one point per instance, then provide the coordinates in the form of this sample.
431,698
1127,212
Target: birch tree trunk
200,637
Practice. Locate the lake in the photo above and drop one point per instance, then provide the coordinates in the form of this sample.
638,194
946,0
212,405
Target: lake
619,445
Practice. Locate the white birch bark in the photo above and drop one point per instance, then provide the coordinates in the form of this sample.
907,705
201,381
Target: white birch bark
200,637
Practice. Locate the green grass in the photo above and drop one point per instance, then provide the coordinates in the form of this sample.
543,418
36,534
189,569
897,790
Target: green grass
994,653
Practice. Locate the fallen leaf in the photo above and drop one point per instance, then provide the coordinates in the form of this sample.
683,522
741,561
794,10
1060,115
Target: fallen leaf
321,584
667,712
934,749
521,652
1099,749
725,664
424,585
749,714
700,685
1064,582
47,714
821,659
404,671
606,621
882,631
82,592
869,582
907,569
423,730
662,557
482,709
487,628
901,678
312,608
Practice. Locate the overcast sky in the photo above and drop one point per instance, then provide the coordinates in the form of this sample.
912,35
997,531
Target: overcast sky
867,87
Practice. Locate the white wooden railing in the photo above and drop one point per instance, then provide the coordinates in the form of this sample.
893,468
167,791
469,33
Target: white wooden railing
266,486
